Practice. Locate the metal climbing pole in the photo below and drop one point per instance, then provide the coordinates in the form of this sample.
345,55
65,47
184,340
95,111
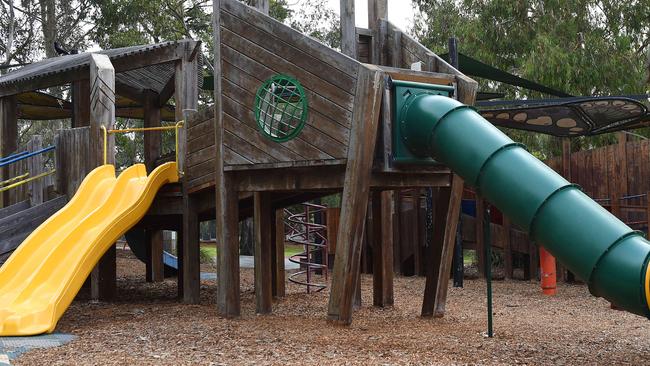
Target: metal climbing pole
305,230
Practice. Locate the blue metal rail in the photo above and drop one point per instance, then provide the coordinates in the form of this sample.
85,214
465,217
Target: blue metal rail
23,155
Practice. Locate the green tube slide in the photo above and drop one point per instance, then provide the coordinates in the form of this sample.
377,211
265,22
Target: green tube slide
591,242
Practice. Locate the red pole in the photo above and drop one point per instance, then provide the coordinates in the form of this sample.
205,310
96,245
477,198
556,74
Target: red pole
547,266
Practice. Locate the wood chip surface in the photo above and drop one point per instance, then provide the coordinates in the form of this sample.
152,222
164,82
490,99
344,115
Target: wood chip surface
146,325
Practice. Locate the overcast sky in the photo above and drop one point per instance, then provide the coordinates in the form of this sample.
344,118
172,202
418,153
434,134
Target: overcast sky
400,12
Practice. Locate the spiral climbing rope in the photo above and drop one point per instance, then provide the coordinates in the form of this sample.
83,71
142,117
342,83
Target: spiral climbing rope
304,229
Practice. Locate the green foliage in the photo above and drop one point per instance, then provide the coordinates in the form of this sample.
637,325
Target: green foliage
317,20
583,47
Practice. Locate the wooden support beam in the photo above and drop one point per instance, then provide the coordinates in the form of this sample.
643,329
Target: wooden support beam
186,96
181,264
81,103
383,209
348,29
377,9
355,194
35,166
155,267
191,251
152,140
9,136
102,113
278,255
437,284
263,221
226,195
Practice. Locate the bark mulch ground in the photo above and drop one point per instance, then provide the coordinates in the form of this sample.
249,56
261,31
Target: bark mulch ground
146,325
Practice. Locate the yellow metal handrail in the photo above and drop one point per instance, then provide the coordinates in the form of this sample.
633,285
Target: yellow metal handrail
175,127
11,180
20,183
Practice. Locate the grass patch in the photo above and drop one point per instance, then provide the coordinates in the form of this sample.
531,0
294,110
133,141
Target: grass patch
209,251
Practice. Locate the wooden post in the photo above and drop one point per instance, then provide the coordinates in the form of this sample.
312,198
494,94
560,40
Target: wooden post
227,205
102,113
9,135
155,268
181,264
263,221
382,255
35,166
191,250
152,140
348,29
278,255
480,245
355,193
442,248
377,10
80,103
186,96
152,151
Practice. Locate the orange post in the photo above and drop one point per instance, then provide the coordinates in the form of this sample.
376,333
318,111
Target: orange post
547,266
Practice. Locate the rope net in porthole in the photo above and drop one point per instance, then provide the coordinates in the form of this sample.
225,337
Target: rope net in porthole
280,108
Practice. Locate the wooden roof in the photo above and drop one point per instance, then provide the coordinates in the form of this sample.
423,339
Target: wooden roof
137,68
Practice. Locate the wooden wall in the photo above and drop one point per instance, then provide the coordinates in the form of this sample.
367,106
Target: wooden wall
620,169
254,48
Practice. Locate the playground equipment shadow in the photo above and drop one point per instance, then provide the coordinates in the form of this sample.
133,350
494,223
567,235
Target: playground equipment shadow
146,325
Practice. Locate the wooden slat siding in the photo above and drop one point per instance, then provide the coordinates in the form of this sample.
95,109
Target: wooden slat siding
241,121
72,148
363,48
200,142
16,227
316,119
283,152
247,150
260,71
299,57
232,158
355,194
16,207
280,65
296,39
308,135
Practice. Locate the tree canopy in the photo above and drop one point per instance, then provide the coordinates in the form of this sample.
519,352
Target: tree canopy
583,47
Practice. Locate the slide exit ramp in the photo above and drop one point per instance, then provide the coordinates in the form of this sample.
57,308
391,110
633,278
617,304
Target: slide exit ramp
591,242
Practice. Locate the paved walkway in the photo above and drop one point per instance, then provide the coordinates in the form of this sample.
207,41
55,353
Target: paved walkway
245,261
12,347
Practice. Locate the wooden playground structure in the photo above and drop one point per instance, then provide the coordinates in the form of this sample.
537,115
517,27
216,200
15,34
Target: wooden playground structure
231,170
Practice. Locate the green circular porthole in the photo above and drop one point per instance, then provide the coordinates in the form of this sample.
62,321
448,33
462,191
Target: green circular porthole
280,108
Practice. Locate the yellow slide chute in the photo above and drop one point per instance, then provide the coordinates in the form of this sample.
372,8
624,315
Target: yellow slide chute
42,277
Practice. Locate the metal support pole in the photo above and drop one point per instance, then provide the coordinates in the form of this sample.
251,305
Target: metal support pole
488,266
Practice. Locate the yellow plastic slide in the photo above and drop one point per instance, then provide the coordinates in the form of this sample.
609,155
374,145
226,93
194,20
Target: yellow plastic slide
42,277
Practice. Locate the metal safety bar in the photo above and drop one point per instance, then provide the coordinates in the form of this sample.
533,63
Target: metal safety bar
25,156
175,127
12,156
12,180
20,183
